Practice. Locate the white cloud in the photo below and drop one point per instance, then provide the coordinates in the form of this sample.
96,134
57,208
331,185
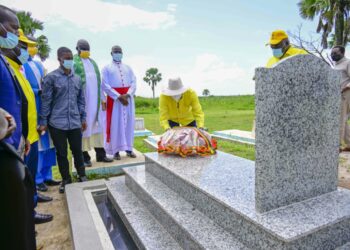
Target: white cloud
207,71
172,7
95,15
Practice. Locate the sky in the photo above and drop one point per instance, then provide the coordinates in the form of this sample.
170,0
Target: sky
213,45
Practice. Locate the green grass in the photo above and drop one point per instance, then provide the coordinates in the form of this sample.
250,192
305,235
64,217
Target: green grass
221,113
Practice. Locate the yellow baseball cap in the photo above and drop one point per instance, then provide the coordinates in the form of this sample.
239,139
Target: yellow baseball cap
25,39
277,36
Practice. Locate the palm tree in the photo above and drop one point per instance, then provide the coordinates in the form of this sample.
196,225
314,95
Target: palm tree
30,25
333,15
152,78
206,92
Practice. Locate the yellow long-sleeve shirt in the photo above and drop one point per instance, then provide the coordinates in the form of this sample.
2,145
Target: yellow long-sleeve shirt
290,52
33,135
185,111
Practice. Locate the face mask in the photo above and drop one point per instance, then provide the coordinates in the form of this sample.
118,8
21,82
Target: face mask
84,54
68,64
336,57
177,97
117,57
32,51
23,57
277,52
10,41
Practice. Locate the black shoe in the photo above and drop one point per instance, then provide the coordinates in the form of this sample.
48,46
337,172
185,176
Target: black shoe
83,179
131,154
52,182
117,157
104,159
43,198
41,187
63,185
87,164
42,218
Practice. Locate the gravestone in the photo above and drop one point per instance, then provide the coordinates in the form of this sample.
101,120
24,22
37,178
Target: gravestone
297,131
139,124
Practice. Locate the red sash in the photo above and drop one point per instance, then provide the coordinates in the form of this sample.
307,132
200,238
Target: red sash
110,105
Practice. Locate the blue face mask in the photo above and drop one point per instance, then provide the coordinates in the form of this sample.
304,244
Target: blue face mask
117,57
68,64
9,42
23,57
277,52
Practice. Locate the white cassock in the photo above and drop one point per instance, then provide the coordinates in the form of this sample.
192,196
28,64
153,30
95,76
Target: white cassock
92,136
118,75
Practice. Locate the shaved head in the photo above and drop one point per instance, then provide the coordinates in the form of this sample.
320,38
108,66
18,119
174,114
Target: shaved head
63,50
82,44
6,14
117,49
8,20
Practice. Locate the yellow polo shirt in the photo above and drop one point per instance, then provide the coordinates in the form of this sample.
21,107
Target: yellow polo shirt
33,135
183,112
290,52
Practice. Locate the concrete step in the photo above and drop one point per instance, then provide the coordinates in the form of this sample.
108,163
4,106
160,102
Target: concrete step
190,227
142,226
223,188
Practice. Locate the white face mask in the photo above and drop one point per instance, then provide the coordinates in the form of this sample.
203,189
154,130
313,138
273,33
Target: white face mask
177,97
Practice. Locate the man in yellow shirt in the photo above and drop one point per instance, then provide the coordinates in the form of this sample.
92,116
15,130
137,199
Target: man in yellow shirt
281,48
16,57
179,105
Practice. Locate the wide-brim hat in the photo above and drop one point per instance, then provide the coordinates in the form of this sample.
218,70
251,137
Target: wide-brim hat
175,87
25,39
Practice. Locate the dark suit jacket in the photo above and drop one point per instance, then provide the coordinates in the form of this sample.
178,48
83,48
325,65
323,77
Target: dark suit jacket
17,201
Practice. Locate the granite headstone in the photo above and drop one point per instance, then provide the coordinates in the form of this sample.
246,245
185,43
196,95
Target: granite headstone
297,131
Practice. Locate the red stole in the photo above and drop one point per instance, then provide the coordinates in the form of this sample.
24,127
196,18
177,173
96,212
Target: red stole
110,105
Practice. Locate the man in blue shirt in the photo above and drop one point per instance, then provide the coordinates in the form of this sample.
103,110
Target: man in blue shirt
63,112
16,184
10,92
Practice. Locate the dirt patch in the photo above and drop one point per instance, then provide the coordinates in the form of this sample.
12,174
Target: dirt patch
54,235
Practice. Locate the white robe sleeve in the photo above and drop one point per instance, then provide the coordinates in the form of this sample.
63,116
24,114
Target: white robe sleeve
106,87
132,89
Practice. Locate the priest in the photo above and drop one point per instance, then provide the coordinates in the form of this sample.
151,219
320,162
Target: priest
119,83
87,69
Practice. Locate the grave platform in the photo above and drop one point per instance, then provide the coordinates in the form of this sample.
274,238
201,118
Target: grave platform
234,135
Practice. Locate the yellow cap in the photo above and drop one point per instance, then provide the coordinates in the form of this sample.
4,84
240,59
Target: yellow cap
277,36
25,39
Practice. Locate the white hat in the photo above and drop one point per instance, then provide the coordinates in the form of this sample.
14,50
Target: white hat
175,87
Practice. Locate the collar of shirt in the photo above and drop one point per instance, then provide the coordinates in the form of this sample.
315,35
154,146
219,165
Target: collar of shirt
341,61
63,73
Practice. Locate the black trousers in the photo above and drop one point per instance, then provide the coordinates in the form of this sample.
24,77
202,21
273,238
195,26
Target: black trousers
74,137
100,154
17,203
175,124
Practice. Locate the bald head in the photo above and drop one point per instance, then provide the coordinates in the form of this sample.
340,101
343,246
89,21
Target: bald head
82,44
117,49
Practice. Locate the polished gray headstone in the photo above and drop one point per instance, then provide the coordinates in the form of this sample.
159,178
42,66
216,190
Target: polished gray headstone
297,131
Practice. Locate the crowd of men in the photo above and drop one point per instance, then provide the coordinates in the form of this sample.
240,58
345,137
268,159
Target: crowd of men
41,115
79,107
